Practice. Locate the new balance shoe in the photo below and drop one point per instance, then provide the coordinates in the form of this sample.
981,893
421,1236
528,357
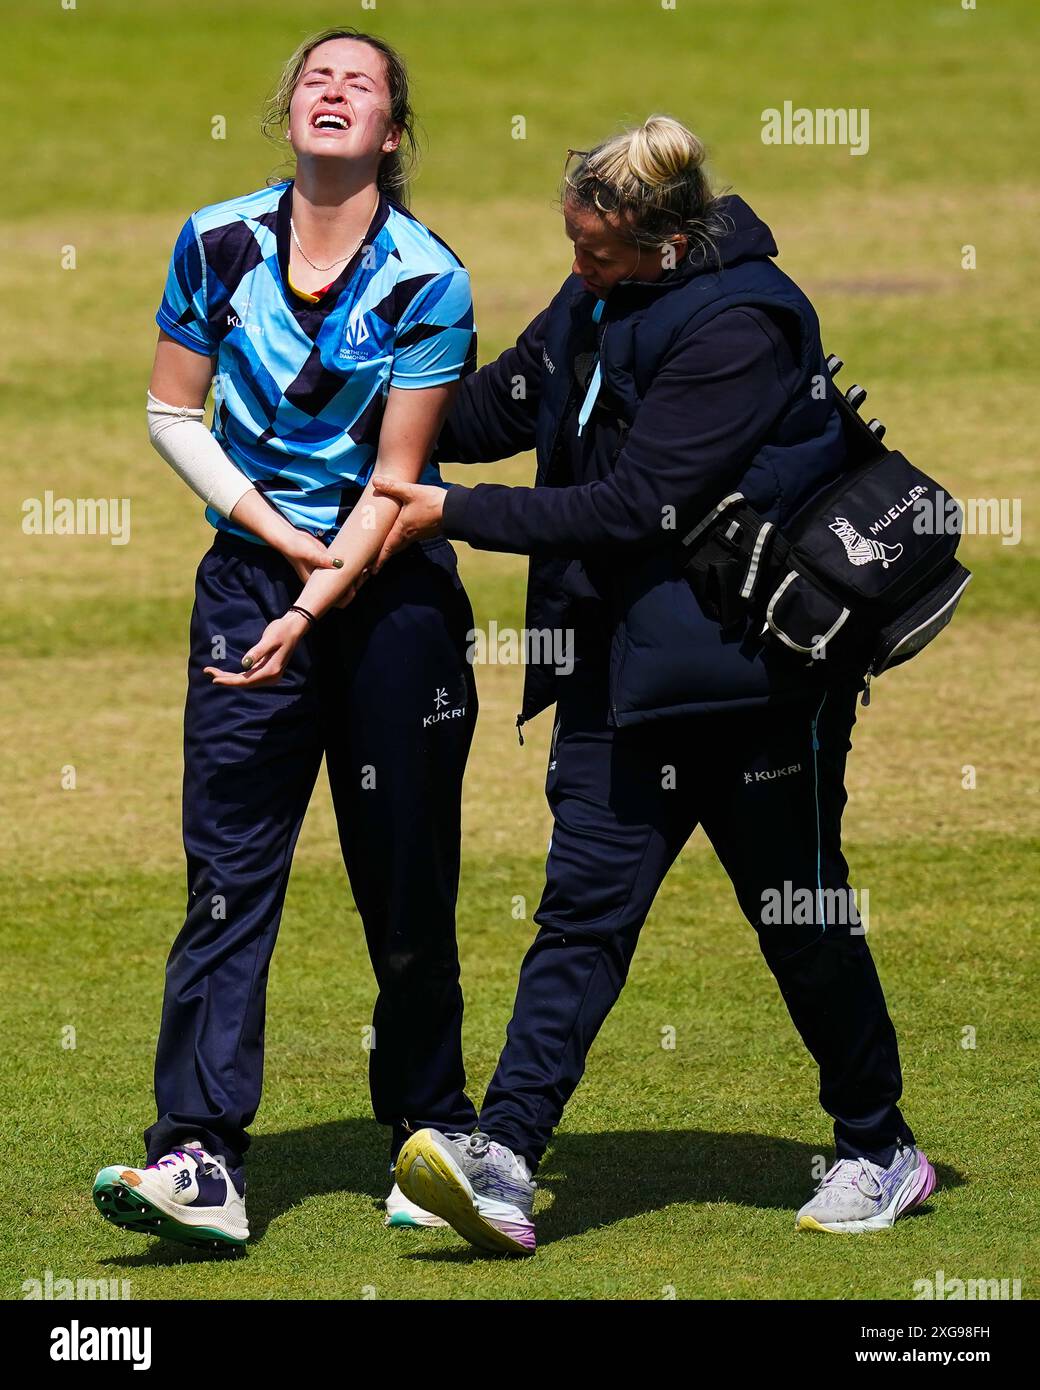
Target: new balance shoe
188,1195
857,1195
400,1212
482,1189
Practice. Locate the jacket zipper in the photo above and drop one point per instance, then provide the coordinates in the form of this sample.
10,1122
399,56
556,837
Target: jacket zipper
520,720
612,678
555,736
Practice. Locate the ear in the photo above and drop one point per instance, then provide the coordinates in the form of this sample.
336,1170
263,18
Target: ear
393,139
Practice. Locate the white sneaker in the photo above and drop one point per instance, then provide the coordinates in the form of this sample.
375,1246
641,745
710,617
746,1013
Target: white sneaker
481,1188
402,1212
187,1196
856,1195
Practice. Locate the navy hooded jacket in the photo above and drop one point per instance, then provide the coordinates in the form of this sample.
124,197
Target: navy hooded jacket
713,381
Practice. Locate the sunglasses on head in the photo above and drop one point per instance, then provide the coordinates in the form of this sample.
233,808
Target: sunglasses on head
604,194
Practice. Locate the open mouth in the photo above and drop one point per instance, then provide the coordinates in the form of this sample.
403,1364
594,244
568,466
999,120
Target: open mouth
325,120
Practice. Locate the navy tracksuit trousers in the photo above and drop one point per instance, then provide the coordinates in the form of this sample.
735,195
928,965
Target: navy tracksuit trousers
767,785
384,690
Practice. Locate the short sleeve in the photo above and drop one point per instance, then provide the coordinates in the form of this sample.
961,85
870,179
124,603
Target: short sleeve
436,342
182,312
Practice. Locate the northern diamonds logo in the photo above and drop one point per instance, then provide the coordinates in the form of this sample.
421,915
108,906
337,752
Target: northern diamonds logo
356,334
859,550
442,710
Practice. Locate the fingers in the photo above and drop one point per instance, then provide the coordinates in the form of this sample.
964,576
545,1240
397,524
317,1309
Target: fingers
316,558
390,487
264,675
319,558
258,655
398,539
352,589
263,664
254,679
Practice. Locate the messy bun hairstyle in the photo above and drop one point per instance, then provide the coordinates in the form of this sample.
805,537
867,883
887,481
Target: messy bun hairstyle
652,179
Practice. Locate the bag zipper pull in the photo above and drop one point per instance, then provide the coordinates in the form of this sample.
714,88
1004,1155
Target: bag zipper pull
519,731
866,691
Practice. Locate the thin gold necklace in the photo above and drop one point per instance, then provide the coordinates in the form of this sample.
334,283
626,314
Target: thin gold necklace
313,264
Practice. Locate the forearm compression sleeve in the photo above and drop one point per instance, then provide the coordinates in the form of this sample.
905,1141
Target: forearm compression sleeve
179,435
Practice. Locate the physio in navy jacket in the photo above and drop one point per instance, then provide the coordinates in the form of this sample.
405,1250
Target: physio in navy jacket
676,364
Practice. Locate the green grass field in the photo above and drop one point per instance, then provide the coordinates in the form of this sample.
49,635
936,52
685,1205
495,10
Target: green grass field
677,1171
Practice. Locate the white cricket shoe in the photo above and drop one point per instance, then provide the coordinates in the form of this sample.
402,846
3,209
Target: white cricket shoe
401,1212
187,1195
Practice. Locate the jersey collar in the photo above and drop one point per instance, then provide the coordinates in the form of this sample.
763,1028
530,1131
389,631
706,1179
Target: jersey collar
330,296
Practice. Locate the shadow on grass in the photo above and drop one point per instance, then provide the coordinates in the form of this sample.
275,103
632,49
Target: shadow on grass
594,1180
598,1180
283,1170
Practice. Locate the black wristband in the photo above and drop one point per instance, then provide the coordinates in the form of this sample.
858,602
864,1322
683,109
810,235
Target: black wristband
295,608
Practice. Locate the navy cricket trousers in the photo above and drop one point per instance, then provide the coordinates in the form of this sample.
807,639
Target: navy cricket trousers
384,690
767,785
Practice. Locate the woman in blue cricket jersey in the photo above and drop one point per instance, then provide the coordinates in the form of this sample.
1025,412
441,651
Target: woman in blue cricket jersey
335,327
676,365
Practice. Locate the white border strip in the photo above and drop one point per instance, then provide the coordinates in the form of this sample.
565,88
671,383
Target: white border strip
756,555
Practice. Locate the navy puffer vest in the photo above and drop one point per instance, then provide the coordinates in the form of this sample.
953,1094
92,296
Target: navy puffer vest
667,657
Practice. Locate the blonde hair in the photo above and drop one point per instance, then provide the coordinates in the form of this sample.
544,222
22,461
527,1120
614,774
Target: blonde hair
397,167
651,178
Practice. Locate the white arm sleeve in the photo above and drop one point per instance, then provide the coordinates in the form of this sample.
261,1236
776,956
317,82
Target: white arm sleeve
179,435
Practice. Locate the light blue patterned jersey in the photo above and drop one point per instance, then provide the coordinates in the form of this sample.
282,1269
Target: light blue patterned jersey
300,388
